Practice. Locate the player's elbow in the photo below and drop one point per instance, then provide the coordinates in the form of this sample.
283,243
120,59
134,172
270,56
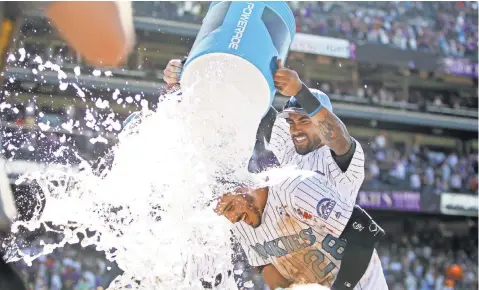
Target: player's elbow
102,32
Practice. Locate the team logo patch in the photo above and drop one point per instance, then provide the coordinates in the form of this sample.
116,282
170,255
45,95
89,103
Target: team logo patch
325,207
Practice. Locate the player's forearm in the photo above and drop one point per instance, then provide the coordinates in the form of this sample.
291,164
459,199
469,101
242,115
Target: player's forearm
102,32
332,130
263,158
273,278
263,135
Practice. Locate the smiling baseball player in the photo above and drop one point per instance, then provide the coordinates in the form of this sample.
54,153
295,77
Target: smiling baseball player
306,134
301,231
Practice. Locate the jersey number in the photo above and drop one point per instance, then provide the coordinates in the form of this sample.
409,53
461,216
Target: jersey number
315,258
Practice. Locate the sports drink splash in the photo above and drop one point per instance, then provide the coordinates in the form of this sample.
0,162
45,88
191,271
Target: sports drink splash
151,212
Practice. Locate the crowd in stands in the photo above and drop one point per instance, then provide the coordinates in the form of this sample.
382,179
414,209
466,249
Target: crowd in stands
419,168
380,95
444,28
418,257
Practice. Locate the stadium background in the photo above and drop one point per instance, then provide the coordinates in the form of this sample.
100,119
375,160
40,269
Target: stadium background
402,77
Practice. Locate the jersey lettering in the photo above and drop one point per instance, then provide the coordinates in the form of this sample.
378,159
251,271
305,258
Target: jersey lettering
334,246
319,265
290,244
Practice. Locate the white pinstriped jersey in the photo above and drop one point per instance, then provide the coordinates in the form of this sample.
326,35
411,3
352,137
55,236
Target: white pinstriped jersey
319,160
299,234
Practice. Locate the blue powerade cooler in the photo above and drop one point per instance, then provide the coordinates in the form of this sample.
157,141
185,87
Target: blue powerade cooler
234,54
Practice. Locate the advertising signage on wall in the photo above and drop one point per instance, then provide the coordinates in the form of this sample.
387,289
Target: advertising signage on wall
390,200
459,204
446,203
321,45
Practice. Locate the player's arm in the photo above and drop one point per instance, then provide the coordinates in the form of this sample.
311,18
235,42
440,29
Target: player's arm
273,278
345,163
332,130
263,157
101,31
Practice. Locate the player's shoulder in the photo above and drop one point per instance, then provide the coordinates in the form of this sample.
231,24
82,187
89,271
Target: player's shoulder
300,180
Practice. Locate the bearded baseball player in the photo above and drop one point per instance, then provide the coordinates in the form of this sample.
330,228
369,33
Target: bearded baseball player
306,134
309,135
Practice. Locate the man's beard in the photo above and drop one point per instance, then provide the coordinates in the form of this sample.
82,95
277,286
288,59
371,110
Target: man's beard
304,150
310,146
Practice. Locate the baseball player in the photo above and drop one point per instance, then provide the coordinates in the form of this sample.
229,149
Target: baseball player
306,134
303,230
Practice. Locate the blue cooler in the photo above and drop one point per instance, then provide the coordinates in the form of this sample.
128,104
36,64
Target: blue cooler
233,57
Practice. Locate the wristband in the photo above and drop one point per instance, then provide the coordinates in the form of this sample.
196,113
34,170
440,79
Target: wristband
309,102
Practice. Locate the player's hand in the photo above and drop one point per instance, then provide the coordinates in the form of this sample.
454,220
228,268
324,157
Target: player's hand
171,74
287,81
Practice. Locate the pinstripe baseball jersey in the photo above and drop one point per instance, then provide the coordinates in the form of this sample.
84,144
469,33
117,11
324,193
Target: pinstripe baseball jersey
320,161
299,233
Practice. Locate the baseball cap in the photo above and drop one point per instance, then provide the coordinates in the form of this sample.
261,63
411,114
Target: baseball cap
292,105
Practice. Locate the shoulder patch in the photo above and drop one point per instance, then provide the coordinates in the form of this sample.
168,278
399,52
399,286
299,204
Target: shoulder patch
325,207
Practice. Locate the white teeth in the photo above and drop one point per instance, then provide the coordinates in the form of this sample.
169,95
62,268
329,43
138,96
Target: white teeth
300,139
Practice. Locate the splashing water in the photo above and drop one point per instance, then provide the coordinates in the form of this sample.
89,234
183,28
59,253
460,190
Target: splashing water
152,212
